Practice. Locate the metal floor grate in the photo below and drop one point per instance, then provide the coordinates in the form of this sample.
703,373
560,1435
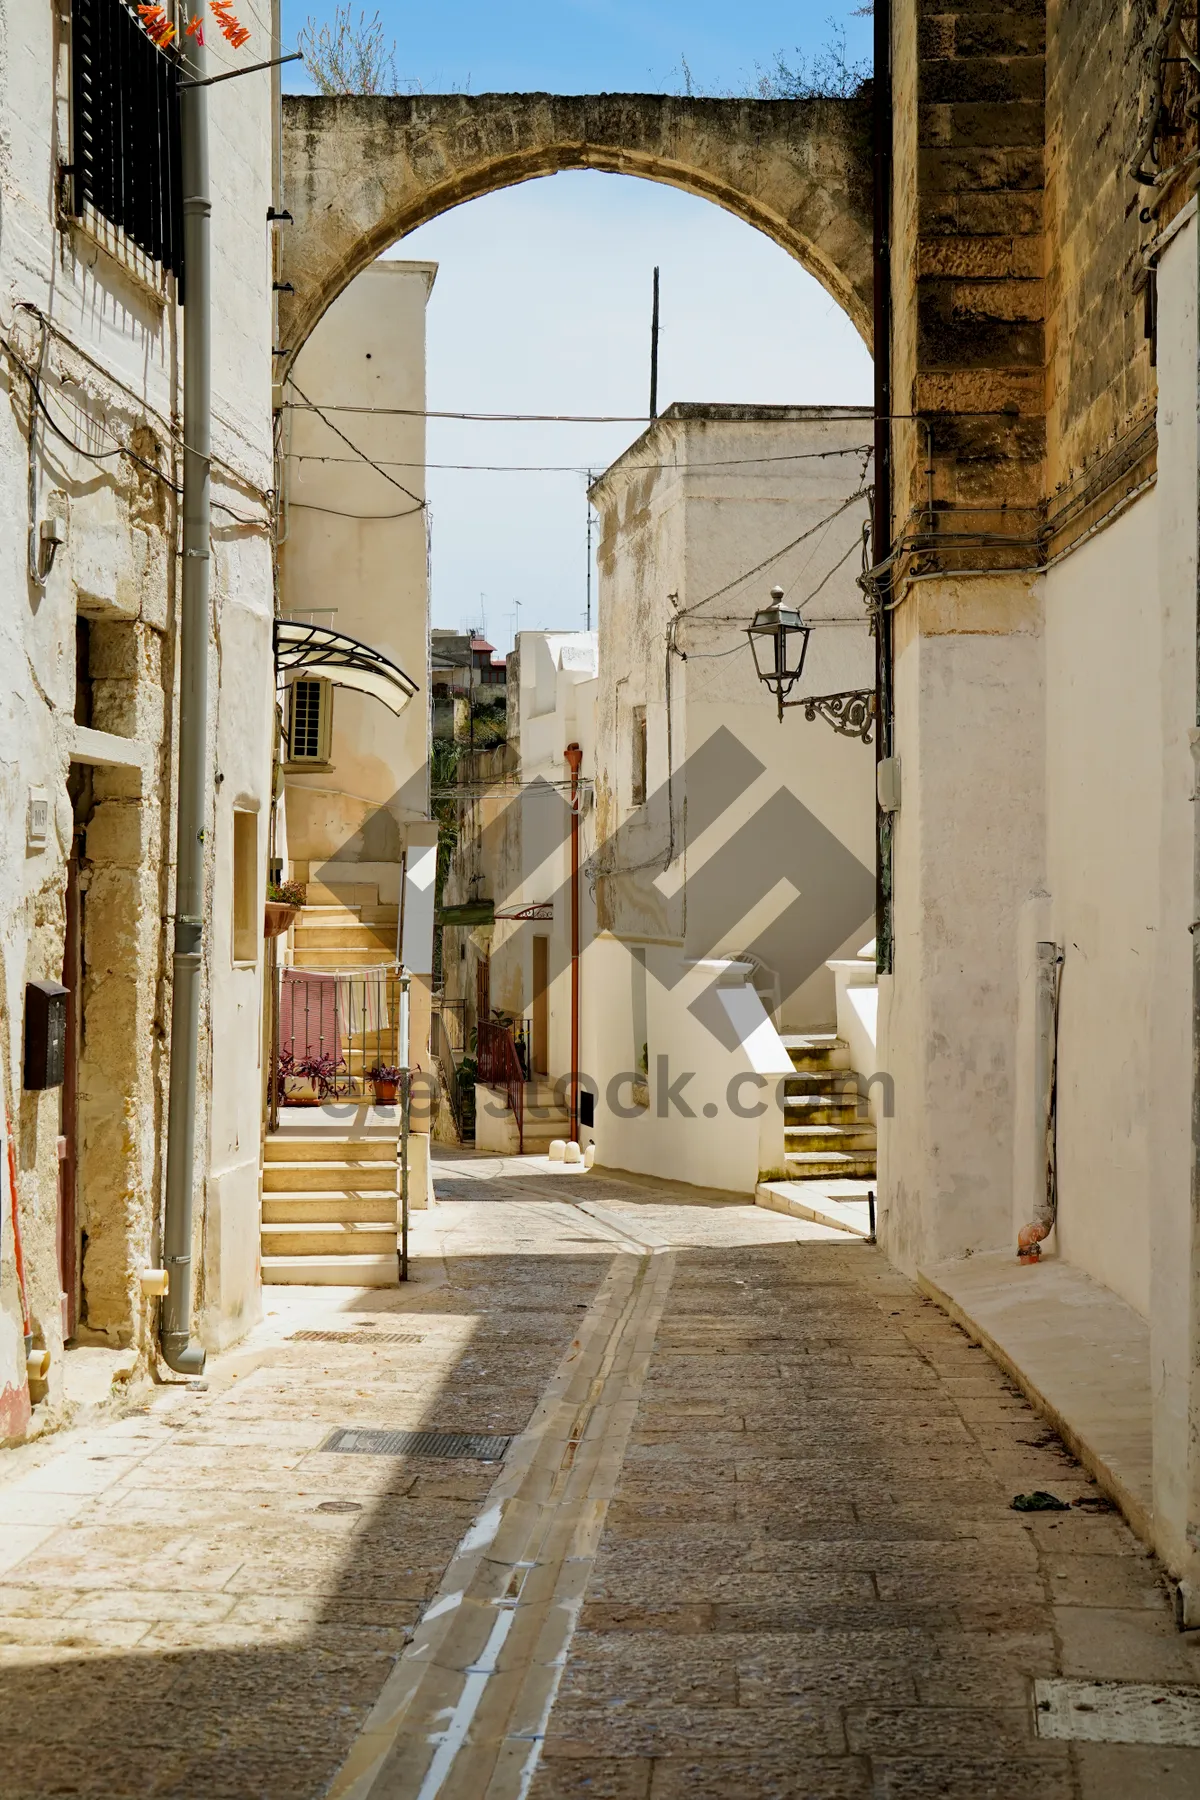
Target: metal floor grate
354,1337
477,1445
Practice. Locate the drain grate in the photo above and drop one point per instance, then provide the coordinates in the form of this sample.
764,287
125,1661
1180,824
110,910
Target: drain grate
354,1337
1118,1712
477,1445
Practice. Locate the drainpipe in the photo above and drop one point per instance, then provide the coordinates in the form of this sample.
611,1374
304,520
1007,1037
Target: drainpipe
881,536
574,757
178,1351
1045,1063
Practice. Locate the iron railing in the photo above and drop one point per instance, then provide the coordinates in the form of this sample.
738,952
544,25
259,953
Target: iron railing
499,1066
331,1029
125,145
460,1093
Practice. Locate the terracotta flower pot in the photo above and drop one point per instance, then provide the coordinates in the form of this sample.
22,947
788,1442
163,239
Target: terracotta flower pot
277,917
385,1092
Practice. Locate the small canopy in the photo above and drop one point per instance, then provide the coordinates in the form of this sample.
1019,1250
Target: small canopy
342,660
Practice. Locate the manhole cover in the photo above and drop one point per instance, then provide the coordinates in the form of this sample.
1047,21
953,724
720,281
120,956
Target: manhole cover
354,1337
1118,1712
478,1446
339,1506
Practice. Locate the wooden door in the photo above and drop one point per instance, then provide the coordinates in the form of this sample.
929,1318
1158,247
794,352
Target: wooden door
541,1006
68,1241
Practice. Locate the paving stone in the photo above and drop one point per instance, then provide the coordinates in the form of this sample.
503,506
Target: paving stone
974,1778
592,1778
1128,1771
762,1778
811,1536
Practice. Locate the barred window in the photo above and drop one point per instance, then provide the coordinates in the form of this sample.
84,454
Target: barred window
310,722
125,152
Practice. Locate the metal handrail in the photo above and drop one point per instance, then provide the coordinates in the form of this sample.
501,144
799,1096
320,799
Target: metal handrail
500,1066
448,1071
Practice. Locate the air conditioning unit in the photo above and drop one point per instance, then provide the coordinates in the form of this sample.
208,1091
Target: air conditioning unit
310,720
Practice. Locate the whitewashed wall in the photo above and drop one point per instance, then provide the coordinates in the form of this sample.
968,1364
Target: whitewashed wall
112,376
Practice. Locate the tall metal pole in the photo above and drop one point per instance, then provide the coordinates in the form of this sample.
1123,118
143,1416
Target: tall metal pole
881,535
175,1323
654,351
574,757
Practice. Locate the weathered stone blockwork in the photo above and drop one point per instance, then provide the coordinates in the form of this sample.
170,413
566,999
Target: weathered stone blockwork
976,330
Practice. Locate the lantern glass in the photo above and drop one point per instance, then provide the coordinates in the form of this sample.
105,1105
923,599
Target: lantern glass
773,634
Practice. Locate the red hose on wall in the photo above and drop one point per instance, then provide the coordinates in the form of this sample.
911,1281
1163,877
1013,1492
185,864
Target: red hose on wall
18,1254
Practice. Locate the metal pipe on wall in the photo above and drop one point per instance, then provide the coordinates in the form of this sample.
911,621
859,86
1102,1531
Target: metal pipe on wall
1047,974
178,1351
574,757
881,535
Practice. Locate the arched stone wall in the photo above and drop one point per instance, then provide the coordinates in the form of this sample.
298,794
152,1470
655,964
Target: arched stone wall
361,172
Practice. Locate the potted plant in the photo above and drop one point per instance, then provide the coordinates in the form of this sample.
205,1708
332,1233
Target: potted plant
386,1082
284,900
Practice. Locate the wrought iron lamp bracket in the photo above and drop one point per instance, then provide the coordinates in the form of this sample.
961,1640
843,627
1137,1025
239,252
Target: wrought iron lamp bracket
851,714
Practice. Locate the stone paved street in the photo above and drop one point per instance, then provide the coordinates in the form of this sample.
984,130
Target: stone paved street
754,1539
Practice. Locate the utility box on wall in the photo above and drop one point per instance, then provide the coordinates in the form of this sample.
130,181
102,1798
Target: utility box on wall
45,1034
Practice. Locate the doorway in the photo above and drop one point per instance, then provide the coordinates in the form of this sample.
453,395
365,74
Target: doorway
541,1006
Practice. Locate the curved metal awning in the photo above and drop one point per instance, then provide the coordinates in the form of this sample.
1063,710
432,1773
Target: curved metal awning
342,660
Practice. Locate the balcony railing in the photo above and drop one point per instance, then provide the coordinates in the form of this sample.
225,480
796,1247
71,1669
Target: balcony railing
331,1030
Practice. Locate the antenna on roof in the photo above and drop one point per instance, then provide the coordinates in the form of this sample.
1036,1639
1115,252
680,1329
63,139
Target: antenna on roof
654,350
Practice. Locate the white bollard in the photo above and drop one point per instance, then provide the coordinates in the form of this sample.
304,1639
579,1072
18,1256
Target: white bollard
558,1149
572,1153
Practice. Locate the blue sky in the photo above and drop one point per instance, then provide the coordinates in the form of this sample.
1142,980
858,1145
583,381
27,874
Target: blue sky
542,298
585,46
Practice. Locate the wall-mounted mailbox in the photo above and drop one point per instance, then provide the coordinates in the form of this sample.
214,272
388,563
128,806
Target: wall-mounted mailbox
45,1034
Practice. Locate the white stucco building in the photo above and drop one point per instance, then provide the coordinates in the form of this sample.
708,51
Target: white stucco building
90,470
734,852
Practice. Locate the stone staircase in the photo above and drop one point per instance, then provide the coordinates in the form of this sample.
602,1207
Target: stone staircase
545,1118
330,1209
343,927
827,1133
496,1124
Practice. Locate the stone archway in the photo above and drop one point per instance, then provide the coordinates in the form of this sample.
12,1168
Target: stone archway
361,172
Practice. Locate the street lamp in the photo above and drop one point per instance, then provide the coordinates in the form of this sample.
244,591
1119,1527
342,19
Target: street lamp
772,633
779,642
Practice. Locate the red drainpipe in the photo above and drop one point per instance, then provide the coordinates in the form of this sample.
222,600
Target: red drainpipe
574,757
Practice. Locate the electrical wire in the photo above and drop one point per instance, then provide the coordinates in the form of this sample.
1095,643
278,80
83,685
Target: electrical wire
821,525
168,430
419,412
351,445
118,449
336,512
728,462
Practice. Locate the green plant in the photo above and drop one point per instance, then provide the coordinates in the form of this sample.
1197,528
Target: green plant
285,893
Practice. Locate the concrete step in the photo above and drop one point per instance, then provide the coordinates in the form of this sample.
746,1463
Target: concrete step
338,957
833,1082
813,1165
341,893
331,1237
346,1177
320,934
854,1140
331,1271
817,1050
289,1149
344,1208
820,1109
329,915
